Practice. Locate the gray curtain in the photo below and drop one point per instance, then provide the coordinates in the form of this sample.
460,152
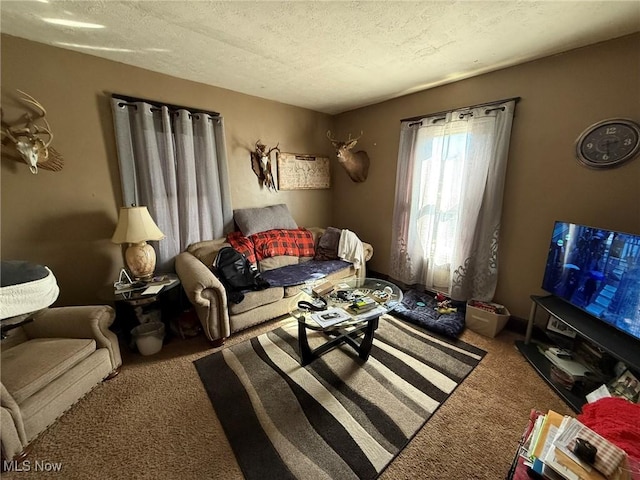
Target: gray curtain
174,163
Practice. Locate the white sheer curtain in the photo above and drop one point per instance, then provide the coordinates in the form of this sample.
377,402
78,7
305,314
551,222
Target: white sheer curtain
448,203
173,162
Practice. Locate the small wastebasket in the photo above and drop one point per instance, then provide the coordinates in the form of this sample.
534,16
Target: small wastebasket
149,337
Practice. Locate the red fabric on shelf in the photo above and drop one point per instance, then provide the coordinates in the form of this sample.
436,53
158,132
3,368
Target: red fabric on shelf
617,420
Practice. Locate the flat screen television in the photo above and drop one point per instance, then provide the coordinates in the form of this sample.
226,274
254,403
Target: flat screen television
597,271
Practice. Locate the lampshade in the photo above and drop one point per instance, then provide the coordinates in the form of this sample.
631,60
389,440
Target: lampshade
135,227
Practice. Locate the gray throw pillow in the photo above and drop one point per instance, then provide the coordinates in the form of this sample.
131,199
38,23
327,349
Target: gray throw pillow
255,220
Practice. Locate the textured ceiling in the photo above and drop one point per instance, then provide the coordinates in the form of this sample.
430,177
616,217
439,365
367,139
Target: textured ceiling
326,56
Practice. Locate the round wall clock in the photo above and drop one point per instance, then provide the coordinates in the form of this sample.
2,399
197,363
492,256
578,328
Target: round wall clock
608,143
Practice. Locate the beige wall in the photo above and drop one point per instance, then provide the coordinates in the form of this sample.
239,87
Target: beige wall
65,219
560,96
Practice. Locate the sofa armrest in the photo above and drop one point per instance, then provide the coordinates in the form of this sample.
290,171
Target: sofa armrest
92,321
207,250
206,293
368,251
13,437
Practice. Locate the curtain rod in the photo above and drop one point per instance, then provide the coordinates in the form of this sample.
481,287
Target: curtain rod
516,99
155,103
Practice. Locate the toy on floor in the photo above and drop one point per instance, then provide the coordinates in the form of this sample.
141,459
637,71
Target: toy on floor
444,304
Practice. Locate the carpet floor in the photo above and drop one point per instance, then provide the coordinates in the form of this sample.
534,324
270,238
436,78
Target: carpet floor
339,417
155,421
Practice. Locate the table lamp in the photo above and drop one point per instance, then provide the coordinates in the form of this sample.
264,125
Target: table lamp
135,227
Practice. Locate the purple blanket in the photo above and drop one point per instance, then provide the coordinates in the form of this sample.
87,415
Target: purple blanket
302,272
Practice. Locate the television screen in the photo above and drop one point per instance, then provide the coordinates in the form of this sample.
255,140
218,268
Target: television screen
597,271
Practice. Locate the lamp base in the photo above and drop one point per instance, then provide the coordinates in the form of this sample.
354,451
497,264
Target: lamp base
141,260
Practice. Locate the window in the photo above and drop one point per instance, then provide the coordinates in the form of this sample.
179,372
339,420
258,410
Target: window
173,161
449,187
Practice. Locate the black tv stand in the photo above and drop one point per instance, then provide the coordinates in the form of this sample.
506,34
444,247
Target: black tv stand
618,344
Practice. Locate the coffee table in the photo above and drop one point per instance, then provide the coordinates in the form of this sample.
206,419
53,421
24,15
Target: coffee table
357,329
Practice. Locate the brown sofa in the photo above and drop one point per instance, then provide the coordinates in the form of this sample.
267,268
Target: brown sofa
219,317
48,364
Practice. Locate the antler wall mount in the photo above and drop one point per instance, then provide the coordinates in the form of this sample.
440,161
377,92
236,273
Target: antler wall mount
355,163
262,165
32,141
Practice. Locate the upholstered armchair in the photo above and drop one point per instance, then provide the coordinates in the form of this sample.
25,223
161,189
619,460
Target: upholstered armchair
48,364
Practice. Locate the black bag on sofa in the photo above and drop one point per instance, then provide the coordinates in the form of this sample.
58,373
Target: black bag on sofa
237,274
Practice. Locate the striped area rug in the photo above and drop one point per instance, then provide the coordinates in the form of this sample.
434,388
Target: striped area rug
339,417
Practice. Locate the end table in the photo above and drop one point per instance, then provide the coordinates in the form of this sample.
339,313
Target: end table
132,306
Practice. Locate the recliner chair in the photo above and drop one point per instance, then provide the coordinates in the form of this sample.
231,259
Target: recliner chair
47,365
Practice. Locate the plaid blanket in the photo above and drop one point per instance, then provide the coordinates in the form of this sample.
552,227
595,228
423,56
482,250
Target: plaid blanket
273,243
242,244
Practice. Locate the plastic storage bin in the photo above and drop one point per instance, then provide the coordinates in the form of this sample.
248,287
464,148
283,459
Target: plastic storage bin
149,337
486,323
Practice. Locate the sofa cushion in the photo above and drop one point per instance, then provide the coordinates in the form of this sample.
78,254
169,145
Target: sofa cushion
279,261
256,220
32,365
45,406
253,299
303,272
327,248
334,277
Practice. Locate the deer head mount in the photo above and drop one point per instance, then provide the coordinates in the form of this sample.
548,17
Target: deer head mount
355,163
32,141
261,165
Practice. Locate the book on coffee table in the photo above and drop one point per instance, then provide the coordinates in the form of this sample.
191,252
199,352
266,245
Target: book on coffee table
330,316
369,314
363,304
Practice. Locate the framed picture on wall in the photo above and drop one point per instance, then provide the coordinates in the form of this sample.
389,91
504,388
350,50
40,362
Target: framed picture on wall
302,172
